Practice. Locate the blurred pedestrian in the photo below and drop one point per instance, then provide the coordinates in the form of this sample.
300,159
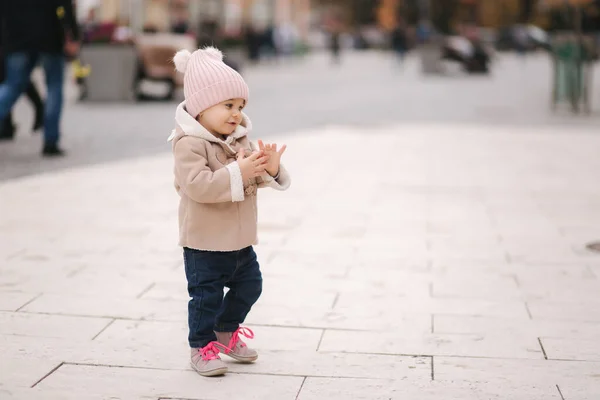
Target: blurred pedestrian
521,40
269,47
217,174
8,129
37,31
285,39
399,41
253,42
332,25
335,46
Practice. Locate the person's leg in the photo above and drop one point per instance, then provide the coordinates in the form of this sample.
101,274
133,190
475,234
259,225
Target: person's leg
206,273
34,96
18,69
8,128
53,65
245,287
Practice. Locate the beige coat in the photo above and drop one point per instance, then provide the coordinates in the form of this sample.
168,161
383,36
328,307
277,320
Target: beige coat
217,211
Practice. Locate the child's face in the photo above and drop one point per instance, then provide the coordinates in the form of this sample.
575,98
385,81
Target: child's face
223,118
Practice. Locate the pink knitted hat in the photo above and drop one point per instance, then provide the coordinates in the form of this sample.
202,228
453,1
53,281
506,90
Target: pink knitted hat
207,80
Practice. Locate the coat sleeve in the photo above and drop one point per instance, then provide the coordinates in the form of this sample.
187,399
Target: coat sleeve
70,19
282,182
199,182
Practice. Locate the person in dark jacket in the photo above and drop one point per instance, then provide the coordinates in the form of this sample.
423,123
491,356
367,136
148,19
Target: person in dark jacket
37,31
335,45
400,41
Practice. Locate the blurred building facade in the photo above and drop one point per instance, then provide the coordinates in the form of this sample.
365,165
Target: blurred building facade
486,13
230,14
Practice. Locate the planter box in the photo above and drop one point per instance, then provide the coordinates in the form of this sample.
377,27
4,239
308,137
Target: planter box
113,71
430,55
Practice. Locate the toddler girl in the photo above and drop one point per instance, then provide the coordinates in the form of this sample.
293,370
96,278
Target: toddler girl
217,173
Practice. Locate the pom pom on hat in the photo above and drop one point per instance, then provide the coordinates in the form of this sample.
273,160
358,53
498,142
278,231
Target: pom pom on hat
181,60
212,52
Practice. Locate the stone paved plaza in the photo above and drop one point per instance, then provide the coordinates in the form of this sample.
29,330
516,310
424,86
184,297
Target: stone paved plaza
408,260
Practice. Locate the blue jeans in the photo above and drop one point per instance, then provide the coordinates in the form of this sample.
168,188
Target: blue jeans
208,273
18,71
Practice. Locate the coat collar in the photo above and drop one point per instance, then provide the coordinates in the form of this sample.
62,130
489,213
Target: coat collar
187,125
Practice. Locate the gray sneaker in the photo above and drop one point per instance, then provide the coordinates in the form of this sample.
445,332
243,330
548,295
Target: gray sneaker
235,348
206,361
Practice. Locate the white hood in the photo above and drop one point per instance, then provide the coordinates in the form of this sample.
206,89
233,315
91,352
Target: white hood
189,126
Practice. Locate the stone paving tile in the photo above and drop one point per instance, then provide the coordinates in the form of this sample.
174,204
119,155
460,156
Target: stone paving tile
407,343
490,249
539,373
578,392
13,300
27,393
533,280
99,382
584,311
20,371
163,355
450,265
359,389
575,349
570,283
425,304
518,327
34,274
80,279
351,318
401,276
549,254
381,389
108,306
375,245
482,286
491,259
580,233
528,274
325,364
57,326
401,227
385,262
306,284
566,289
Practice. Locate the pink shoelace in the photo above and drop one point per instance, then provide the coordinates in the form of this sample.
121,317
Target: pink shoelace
211,351
235,338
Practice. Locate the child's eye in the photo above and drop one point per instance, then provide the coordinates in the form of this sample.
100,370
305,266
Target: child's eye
241,108
229,106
